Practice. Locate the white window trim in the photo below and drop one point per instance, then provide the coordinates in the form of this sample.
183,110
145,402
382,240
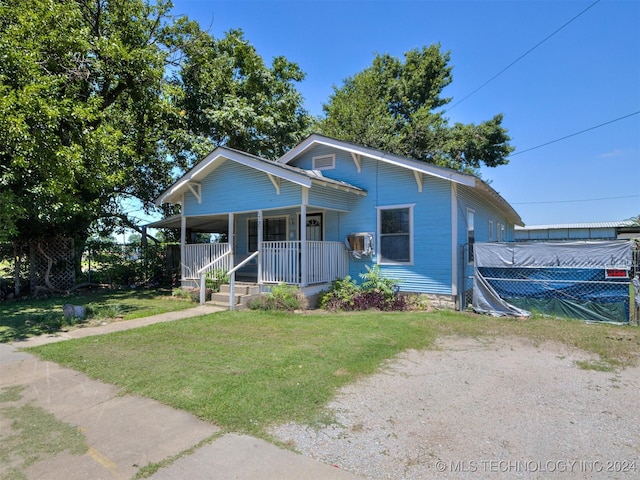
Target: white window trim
471,213
379,232
332,156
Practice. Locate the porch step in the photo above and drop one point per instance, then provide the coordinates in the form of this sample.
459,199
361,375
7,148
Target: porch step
244,292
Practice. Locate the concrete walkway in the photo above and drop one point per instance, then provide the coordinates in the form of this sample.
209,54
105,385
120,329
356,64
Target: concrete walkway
125,433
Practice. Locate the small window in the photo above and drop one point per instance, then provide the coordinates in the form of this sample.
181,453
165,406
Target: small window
491,230
471,232
396,234
324,162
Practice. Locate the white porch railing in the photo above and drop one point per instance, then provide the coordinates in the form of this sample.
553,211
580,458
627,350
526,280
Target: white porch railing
326,261
281,262
199,255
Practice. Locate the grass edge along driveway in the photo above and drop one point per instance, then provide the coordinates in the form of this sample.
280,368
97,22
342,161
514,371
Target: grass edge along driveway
246,371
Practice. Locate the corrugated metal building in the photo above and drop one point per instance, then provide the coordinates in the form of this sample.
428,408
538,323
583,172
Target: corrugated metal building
623,229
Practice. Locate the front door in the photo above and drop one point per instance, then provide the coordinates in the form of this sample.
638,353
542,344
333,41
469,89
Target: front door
314,227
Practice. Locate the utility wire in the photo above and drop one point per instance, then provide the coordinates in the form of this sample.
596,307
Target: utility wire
576,133
575,201
521,56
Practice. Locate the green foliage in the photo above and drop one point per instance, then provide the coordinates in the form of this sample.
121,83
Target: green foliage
376,291
80,111
181,293
29,317
215,279
107,262
396,106
341,294
228,96
105,101
246,371
372,279
281,297
35,435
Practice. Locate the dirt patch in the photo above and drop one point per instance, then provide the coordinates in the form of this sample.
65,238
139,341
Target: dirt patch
480,408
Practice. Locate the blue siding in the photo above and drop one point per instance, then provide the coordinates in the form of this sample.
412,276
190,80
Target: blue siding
328,197
388,185
234,187
237,188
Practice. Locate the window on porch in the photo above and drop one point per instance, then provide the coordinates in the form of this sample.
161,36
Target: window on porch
273,230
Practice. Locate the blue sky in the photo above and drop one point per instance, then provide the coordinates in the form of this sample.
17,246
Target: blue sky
586,74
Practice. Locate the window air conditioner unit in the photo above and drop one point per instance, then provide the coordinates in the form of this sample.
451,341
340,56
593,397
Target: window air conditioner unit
360,244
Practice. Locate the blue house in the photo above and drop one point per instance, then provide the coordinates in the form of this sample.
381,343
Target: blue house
329,208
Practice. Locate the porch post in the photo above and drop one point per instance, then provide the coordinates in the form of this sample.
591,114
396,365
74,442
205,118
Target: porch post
260,240
183,241
303,237
232,279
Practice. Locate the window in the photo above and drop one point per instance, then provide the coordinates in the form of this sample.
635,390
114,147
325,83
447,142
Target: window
273,230
324,162
471,232
499,232
396,236
491,230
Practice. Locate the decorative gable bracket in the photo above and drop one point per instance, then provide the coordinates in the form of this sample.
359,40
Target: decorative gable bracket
275,181
418,176
357,159
196,189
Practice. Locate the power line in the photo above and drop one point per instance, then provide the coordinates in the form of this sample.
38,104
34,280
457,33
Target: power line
576,133
576,201
522,56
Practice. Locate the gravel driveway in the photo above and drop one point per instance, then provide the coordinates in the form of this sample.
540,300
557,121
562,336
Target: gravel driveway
480,408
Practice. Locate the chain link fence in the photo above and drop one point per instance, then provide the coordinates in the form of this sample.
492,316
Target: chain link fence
101,263
587,281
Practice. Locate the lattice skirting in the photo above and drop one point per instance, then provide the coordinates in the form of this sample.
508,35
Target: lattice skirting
57,252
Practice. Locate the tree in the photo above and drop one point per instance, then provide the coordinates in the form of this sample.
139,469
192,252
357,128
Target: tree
80,111
228,96
101,100
396,106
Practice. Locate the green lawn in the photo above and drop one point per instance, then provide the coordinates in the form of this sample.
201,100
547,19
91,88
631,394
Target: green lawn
245,371
24,318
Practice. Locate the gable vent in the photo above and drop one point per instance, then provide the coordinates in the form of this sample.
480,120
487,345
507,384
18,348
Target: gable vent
324,162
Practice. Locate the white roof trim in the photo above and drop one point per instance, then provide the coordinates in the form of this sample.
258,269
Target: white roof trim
428,169
219,155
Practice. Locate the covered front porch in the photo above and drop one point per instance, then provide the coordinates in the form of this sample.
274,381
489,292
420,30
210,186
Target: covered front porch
262,247
291,262
269,222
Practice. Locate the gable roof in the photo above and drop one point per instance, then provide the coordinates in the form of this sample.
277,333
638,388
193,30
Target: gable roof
483,189
316,139
290,173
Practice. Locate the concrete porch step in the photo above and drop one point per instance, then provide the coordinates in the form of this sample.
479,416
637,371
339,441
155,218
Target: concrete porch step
243,294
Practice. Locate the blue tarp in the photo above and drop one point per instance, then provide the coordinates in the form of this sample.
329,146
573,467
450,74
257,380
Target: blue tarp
568,279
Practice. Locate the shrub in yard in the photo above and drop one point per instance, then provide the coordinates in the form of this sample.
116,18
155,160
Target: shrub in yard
375,292
281,297
214,279
340,296
417,302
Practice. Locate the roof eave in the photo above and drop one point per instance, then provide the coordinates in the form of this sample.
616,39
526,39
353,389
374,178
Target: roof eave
220,154
423,167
